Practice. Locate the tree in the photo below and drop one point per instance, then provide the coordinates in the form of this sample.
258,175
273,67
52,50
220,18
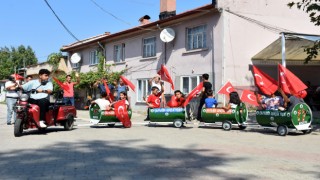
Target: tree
312,7
12,59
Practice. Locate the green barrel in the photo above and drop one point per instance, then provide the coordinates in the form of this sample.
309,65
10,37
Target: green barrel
235,116
299,118
166,114
103,116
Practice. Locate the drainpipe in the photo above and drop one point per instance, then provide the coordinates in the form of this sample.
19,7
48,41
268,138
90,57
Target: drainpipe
223,15
283,49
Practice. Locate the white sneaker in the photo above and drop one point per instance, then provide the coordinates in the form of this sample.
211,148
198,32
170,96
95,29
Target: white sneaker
42,124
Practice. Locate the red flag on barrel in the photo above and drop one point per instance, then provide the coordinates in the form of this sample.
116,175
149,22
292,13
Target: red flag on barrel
194,92
121,112
164,73
63,86
264,82
249,97
111,97
290,83
128,83
226,89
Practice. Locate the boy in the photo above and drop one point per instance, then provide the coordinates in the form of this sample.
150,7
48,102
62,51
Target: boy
153,100
210,101
103,103
177,100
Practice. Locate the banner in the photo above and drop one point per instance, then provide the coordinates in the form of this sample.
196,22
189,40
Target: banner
128,83
264,82
165,76
226,89
193,93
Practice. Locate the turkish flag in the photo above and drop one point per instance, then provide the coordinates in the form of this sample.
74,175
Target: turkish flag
111,97
249,97
17,76
128,83
193,93
173,102
264,82
121,112
289,82
226,89
63,86
164,73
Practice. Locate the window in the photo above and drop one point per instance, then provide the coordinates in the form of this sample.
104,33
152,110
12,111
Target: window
196,37
189,83
94,58
75,65
149,47
119,52
144,89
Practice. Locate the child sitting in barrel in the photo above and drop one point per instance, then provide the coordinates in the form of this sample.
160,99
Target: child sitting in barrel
122,96
233,102
153,100
210,101
177,99
103,102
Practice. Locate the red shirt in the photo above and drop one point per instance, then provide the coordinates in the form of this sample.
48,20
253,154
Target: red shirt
154,100
175,102
70,92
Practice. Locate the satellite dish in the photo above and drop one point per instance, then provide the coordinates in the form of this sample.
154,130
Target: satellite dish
167,35
75,58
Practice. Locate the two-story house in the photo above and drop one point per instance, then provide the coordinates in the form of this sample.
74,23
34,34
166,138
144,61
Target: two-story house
220,39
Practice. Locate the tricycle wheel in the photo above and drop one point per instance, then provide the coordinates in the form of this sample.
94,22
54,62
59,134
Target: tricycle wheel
68,125
18,128
226,125
242,127
282,130
177,123
111,125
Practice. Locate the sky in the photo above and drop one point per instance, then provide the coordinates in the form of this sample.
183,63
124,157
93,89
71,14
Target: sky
32,23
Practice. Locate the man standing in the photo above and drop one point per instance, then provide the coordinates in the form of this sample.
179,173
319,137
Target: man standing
121,87
68,93
11,98
206,86
42,88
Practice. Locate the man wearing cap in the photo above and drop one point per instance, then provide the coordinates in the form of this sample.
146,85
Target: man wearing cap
153,100
11,98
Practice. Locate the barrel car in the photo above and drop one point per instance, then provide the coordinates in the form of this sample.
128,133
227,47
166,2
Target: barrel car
232,117
98,116
299,118
176,116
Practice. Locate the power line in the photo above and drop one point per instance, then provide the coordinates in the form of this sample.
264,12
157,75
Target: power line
65,27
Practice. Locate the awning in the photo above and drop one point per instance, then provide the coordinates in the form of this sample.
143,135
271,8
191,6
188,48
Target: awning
295,54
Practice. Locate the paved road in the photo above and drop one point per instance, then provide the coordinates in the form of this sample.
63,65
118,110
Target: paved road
159,152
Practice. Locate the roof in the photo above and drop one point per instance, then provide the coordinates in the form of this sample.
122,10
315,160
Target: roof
138,29
295,46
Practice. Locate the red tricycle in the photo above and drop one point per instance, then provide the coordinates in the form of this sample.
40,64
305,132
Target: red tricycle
28,115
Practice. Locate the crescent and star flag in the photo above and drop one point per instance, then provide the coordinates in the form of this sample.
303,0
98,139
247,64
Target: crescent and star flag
289,82
249,97
194,92
63,86
226,89
121,113
264,82
164,73
17,77
128,83
111,97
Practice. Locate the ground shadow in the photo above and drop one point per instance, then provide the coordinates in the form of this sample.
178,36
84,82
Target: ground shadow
115,159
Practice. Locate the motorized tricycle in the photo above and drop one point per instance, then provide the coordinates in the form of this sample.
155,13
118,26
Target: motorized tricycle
300,118
28,115
232,117
98,116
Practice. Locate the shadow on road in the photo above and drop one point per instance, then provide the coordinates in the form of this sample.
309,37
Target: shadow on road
105,159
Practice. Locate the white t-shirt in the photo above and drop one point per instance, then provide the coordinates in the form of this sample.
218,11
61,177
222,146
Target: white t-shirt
103,103
155,84
10,93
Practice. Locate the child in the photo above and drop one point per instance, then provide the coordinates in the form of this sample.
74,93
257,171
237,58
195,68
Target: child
122,96
153,100
210,101
233,102
177,99
103,102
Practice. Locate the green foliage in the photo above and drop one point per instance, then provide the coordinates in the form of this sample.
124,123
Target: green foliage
12,59
54,59
312,7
